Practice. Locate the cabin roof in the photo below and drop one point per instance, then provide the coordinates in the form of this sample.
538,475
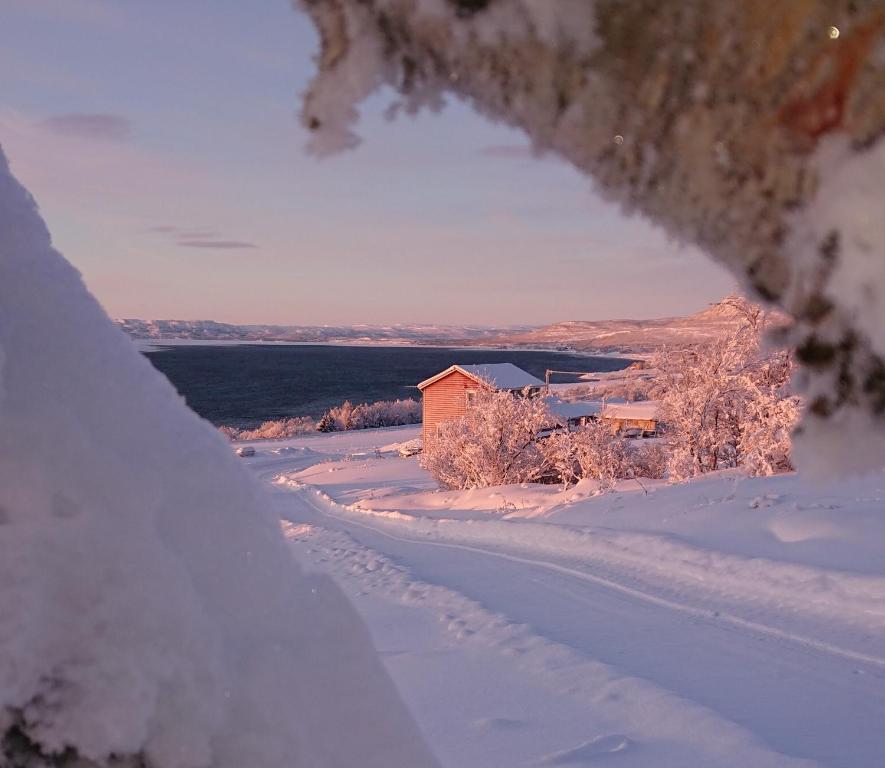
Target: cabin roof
572,410
644,409
500,375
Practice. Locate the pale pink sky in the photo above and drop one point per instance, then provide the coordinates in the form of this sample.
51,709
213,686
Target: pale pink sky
161,142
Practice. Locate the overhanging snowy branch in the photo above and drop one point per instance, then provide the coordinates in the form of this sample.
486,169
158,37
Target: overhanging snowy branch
752,129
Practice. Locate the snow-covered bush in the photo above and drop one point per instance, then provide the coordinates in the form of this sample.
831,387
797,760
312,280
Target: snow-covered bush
647,459
494,443
725,404
559,455
151,613
279,429
594,451
600,453
384,413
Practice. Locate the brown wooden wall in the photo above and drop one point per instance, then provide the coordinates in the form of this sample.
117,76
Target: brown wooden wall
445,400
619,424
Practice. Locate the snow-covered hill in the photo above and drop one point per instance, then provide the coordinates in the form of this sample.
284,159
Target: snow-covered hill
631,335
589,335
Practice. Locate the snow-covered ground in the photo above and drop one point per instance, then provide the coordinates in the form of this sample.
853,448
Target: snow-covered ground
726,621
151,612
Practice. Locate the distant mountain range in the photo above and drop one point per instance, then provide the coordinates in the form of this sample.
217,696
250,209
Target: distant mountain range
209,330
581,335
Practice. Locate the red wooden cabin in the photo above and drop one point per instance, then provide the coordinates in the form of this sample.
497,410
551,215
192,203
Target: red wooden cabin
446,396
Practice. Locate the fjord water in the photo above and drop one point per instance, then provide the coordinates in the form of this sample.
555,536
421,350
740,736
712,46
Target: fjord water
243,385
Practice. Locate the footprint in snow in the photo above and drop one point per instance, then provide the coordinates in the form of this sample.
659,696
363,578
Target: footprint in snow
591,751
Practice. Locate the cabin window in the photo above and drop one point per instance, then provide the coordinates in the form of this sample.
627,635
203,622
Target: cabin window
470,397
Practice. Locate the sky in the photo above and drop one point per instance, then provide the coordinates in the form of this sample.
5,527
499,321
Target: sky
161,141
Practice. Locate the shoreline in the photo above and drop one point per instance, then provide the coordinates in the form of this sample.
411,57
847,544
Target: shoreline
157,345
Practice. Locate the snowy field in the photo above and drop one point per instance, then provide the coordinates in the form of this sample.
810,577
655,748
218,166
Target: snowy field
723,622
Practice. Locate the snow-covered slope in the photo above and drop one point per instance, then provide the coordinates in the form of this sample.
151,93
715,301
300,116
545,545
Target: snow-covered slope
148,604
728,621
632,335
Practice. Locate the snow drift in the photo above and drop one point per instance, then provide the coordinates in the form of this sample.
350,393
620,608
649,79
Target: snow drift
148,604
753,129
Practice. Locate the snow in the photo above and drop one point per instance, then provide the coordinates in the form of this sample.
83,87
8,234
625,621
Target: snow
570,410
849,182
502,375
644,409
150,606
495,693
740,621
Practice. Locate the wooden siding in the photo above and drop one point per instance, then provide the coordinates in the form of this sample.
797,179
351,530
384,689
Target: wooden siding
619,424
445,400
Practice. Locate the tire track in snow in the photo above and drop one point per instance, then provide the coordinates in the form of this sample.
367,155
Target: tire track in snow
809,643
642,708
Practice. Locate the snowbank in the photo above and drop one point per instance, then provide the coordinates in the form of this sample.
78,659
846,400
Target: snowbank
148,604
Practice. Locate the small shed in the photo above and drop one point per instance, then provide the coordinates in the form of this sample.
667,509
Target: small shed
446,396
572,415
641,416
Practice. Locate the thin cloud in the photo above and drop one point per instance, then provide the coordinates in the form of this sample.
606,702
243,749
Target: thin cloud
217,244
83,125
520,151
197,237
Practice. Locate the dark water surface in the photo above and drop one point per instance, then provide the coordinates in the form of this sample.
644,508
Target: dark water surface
243,385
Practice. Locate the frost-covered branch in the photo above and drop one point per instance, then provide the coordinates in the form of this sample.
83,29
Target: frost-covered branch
753,129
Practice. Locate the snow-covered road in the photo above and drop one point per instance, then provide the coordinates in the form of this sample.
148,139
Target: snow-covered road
691,685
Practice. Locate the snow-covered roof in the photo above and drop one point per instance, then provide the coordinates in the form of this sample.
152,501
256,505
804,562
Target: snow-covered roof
500,375
645,409
575,410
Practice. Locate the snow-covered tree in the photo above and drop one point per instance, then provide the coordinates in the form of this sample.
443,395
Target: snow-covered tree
765,444
494,443
327,423
723,402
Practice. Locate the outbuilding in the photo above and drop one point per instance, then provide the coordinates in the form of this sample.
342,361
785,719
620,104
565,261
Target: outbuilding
447,396
639,418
